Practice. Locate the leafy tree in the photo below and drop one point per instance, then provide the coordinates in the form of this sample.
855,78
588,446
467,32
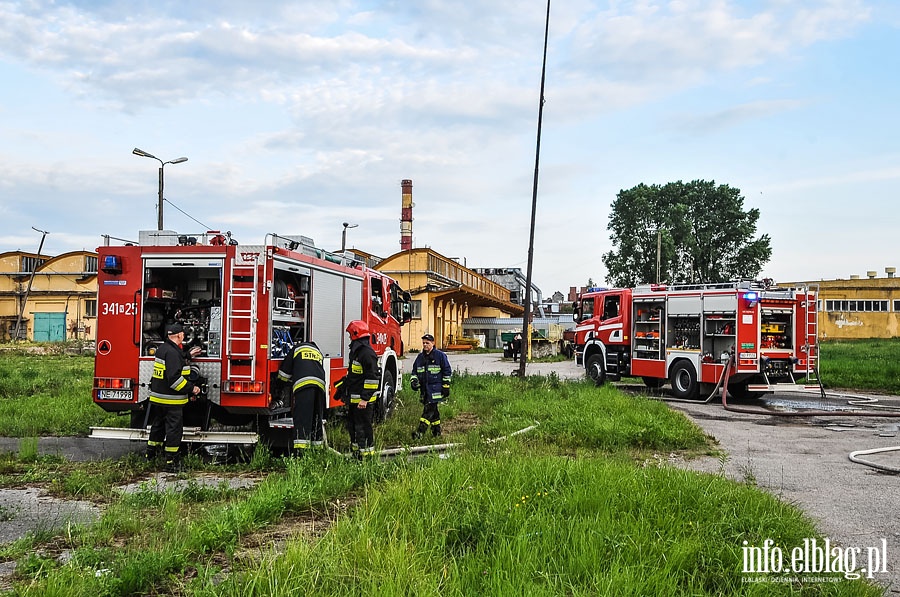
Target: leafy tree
702,231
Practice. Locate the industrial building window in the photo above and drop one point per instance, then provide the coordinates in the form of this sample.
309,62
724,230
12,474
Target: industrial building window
90,264
415,309
896,306
29,264
858,305
90,308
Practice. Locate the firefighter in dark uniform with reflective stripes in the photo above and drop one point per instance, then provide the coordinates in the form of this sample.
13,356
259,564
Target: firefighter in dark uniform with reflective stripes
360,389
431,376
304,367
170,390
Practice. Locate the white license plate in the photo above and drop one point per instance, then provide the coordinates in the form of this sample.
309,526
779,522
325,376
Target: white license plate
115,394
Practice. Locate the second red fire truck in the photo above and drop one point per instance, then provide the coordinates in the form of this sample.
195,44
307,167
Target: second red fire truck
687,335
244,305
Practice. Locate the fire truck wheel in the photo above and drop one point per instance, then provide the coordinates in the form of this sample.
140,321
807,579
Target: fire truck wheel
594,369
684,381
385,403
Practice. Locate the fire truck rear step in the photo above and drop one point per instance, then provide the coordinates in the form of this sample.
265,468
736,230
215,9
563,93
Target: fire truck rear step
284,423
191,435
785,388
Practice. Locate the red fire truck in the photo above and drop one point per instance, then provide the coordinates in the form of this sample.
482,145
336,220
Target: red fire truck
687,335
244,305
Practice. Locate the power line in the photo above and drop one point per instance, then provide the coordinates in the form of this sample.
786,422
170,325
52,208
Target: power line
205,227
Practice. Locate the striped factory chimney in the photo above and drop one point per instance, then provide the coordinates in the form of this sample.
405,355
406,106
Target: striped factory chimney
406,215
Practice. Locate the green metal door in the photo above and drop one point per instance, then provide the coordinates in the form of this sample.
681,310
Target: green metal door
49,327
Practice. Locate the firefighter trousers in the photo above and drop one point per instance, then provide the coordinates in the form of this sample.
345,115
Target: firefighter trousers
359,426
431,418
166,426
308,412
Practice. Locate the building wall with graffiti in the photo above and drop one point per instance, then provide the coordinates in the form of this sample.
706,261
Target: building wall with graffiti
858,307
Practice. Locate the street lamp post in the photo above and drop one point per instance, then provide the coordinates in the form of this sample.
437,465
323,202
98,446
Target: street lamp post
162,164
344,235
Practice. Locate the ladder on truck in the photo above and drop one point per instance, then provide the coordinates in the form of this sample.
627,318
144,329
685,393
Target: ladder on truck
811,345
240,332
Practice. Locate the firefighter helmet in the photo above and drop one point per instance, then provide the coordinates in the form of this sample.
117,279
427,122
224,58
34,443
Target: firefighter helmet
358,329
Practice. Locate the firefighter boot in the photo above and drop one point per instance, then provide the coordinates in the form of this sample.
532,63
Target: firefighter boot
173,462
436,430
152,454
423,427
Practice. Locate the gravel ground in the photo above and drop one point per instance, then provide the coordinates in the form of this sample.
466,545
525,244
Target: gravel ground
802,460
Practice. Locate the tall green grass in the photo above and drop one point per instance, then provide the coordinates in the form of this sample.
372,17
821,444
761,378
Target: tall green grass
861,364
48,395
506,522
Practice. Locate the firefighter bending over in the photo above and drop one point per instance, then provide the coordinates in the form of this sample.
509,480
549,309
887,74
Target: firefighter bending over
303,365
431,375
169,392
360,386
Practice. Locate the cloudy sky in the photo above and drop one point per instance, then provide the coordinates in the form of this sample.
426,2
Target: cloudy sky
298,116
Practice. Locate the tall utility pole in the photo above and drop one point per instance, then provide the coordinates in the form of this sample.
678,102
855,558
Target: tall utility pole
44,234
526,319
162,164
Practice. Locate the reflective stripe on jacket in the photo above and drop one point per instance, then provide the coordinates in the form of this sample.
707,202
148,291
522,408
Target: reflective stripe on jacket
169,384
434,373
304,366
363,378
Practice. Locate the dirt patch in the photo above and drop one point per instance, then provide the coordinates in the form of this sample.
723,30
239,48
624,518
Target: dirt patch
461,423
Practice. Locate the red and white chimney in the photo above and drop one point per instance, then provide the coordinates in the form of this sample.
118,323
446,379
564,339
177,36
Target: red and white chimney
406,215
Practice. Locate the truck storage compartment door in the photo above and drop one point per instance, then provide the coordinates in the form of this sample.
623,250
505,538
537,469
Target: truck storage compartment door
336,301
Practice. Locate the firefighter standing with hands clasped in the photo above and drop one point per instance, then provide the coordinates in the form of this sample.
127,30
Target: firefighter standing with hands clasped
359,389
431,377
170,390
303,365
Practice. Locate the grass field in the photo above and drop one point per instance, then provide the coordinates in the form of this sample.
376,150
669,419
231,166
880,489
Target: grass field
576,506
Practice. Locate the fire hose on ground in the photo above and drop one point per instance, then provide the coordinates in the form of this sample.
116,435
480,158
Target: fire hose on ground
433,448
857,401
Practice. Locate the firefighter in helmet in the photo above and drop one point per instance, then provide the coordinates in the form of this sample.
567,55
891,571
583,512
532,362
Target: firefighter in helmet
359,389
303,366
170,391
431,375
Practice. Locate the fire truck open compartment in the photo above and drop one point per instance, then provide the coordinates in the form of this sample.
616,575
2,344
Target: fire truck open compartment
187,293
289,307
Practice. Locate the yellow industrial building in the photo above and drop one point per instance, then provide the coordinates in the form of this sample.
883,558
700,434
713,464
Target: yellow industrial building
53,299
858,307
444,293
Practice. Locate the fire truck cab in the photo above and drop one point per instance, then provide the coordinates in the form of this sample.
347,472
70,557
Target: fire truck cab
244,306
687,335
